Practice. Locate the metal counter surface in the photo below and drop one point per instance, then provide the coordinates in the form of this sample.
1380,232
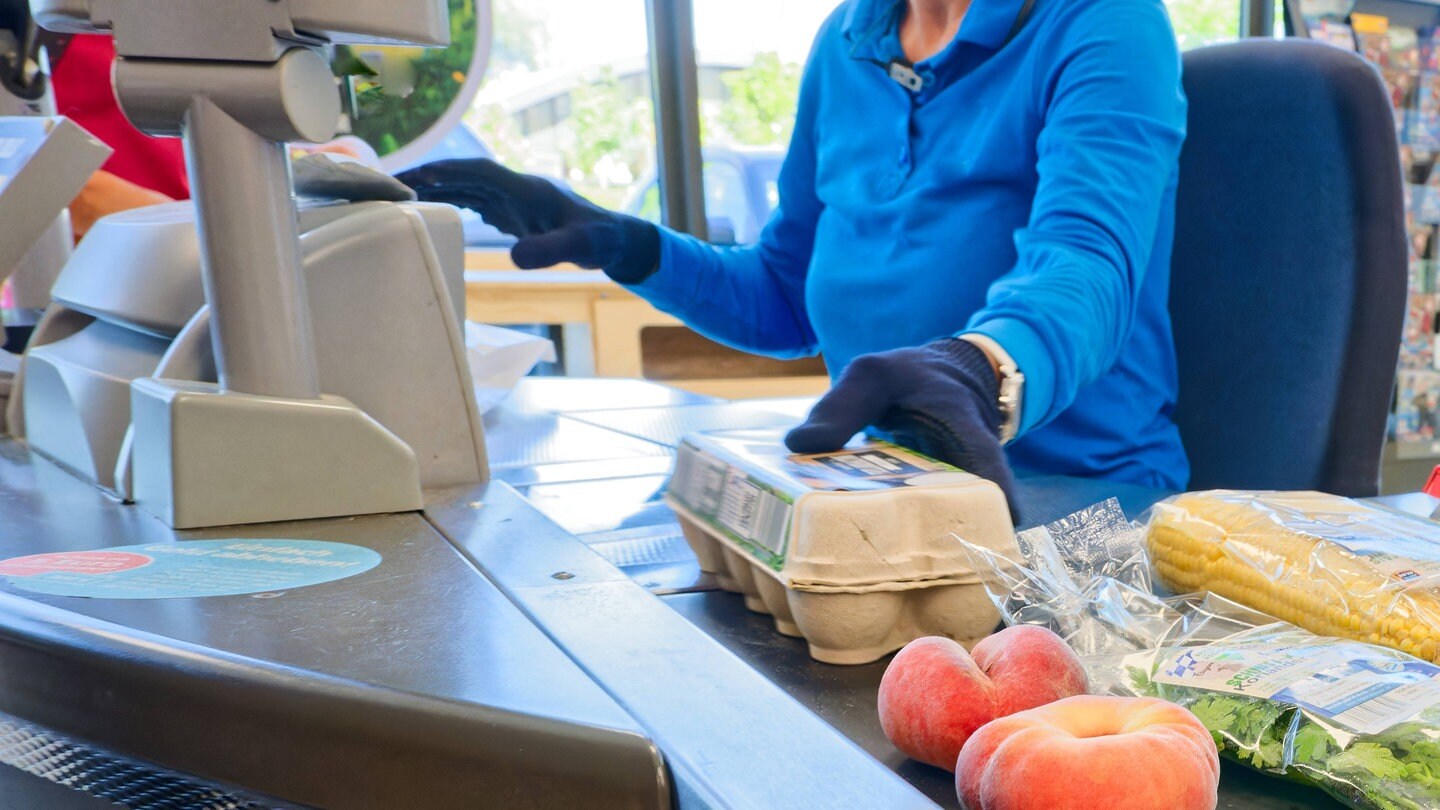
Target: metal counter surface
392,626
845,697
620,503
416,681
731,737
491,654
487,609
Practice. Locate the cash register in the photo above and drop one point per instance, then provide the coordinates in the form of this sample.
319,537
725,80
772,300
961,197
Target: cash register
243,358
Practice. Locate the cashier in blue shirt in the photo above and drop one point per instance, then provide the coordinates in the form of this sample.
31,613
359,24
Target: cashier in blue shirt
974,227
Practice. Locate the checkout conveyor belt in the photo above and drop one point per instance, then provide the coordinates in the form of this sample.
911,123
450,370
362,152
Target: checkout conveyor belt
510,650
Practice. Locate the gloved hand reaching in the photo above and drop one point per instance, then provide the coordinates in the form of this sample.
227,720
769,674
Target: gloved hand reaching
941,399
552,224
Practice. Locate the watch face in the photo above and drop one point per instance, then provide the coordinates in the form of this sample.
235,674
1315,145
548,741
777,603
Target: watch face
1012,384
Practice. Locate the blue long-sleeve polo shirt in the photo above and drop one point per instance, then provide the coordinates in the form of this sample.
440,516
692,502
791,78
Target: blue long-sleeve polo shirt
1026,192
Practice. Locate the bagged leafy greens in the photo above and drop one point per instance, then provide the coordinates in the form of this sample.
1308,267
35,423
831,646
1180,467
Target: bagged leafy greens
1359,721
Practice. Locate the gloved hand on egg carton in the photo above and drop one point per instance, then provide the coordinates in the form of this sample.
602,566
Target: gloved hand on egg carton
850,550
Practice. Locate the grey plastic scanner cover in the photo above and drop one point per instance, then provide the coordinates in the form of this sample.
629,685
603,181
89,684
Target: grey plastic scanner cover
417,22
44,162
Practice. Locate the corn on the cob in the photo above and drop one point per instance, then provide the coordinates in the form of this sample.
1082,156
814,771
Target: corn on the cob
1328,564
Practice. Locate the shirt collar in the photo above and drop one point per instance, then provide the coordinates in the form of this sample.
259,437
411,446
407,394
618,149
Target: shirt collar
988,22
872,27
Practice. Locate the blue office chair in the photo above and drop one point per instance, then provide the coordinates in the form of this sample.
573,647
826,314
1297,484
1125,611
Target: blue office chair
1289,277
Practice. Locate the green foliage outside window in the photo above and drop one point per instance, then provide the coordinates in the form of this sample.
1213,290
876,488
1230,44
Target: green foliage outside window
1204,22
387,120
609,123
761,107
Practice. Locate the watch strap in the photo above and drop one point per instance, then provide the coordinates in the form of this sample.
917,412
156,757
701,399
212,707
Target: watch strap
1012,383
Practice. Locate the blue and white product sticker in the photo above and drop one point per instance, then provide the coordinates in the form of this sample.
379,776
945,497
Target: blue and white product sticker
745,483
1402,547
1360,687
188,568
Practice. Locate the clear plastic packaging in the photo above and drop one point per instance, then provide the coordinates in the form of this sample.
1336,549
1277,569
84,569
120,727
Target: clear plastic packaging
1087,578
1331,565
1360,721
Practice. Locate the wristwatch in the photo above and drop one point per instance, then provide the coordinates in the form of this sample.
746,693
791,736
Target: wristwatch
1012,384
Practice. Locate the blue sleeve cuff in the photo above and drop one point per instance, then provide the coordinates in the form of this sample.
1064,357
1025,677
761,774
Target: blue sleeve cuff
729,295
1034,361
669,288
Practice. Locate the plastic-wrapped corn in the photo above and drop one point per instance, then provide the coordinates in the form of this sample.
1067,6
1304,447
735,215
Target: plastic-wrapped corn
1331,565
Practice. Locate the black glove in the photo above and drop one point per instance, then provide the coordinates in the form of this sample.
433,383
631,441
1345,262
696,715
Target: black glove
553,225
941,399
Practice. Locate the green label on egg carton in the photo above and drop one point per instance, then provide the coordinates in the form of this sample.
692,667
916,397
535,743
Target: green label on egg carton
745,483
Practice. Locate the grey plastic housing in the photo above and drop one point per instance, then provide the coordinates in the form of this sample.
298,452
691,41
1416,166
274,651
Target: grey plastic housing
210,27
44,162
387,285
76,393
204,457
155,246
238,79
30,280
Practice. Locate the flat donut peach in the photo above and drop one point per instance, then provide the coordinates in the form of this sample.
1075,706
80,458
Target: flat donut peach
1091,753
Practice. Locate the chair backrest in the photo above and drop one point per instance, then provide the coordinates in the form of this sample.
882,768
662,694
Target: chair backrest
1289,276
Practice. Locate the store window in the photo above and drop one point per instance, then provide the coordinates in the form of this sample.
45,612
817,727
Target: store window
567,95
1204,22
749,79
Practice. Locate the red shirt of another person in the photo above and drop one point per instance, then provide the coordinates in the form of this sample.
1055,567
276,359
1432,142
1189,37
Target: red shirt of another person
84,94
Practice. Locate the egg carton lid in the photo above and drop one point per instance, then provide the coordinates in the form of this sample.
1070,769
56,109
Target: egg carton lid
873,516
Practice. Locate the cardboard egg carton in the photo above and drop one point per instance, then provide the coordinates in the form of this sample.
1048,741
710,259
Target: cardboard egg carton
849,550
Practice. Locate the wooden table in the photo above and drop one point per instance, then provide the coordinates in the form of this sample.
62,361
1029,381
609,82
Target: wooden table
602,321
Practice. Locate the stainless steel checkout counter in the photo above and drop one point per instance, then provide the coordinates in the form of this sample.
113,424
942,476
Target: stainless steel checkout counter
545,640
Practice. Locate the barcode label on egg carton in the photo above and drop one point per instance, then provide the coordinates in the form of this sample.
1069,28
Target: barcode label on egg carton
747,510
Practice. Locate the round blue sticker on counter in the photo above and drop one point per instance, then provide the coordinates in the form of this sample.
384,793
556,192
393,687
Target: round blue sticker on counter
188,568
